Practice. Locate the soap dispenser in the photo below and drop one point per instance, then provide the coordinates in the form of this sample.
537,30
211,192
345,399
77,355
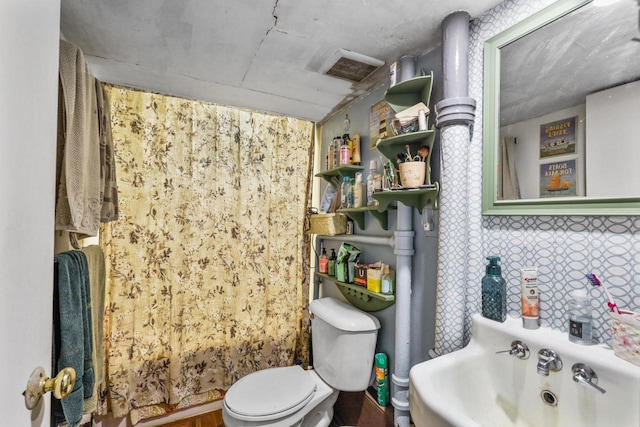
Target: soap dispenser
494,292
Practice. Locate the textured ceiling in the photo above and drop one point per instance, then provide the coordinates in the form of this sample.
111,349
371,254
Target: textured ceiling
263,55
557,66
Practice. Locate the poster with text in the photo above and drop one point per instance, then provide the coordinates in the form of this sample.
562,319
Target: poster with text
558,179
380,122
557,138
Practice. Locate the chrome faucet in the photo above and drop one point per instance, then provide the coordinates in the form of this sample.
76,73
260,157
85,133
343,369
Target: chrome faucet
518,349
583,374
548,360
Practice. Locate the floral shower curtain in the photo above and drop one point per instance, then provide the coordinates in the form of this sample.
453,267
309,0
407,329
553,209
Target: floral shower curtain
206,269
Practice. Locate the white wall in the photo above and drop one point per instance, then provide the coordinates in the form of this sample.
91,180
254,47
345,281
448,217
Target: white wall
29,34
527,149
613,131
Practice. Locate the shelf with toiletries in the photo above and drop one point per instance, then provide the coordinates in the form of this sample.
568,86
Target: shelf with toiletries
360,296
390,147
407,148
340,171
358,214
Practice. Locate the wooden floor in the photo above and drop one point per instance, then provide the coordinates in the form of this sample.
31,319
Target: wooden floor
210,419
359,409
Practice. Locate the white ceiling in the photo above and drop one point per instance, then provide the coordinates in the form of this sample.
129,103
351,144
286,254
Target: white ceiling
555,67
258,54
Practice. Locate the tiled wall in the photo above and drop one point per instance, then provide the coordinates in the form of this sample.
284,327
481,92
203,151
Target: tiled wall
563,248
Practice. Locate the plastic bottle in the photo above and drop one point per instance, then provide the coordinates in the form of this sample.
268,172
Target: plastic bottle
347,138
336,143
494,292
374,183
332,263
323,262
580,318
358,196
345,153
330,156
356,149
387,282
345,193
382,378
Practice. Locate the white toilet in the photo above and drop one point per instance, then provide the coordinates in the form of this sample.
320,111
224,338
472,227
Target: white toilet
344,343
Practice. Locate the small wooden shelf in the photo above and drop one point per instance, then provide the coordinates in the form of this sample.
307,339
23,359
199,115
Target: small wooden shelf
358,214
416,197
391,146
409,92
341,171
359,296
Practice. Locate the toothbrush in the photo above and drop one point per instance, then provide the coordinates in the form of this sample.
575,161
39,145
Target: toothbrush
593,279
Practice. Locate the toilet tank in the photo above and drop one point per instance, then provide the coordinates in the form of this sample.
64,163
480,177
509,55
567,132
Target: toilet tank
344,344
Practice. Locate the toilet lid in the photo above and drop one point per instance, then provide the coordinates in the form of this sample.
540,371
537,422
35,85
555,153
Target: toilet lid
270,393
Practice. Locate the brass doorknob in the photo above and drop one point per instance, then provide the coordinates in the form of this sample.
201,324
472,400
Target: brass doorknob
39,384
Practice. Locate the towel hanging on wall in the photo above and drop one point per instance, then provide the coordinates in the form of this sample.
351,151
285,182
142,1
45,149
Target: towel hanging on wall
73,332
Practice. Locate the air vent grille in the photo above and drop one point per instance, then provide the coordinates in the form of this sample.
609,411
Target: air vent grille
352,66
352,70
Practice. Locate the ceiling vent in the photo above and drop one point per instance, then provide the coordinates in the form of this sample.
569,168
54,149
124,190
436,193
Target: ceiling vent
348,65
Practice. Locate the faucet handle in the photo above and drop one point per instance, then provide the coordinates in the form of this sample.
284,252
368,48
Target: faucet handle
583,374
518,349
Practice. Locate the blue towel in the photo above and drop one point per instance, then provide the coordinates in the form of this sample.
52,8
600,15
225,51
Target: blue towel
73,336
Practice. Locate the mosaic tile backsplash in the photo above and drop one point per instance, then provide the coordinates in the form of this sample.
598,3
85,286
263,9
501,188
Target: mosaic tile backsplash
563,248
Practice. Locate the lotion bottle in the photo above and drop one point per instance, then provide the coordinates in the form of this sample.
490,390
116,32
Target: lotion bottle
494,292
530,298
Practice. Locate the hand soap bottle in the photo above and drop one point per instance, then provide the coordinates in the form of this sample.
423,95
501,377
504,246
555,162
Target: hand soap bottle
494,292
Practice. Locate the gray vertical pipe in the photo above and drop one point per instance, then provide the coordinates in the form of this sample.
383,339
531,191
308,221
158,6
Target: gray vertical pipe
455,41
404,257
456,107
404,251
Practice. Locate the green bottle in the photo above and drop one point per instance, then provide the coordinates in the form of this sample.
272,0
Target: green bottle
332,263
382,378
494,292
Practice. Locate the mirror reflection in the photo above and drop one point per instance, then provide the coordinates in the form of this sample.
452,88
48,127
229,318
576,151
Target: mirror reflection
569,107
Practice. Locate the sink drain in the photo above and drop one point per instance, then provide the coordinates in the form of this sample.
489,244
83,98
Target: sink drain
549,397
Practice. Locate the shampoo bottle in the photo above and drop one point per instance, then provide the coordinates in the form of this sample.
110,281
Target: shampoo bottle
494,292
345,153
323,263
356,149
580,318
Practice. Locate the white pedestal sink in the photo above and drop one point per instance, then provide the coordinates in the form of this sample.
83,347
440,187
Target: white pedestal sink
477,387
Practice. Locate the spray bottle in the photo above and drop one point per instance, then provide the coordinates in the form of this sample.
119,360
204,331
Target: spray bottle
382,378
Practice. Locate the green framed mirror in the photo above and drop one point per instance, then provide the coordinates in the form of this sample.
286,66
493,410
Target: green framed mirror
561,100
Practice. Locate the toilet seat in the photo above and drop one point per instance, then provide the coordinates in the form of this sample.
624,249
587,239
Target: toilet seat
270,394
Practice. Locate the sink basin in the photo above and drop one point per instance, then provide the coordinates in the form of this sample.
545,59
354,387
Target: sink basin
477,387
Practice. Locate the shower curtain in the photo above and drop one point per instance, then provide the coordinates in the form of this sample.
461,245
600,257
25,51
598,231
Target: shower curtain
207,270
508,185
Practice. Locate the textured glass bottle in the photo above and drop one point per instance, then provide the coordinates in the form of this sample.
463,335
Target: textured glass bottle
494,292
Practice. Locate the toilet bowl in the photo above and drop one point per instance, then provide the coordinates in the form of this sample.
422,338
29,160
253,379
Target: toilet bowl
279,397
344,340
